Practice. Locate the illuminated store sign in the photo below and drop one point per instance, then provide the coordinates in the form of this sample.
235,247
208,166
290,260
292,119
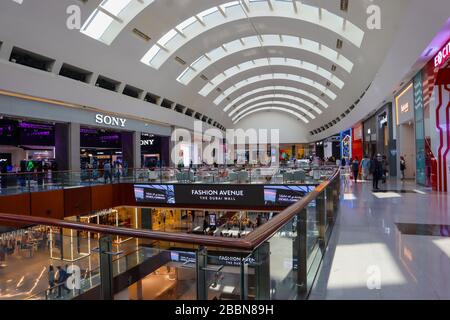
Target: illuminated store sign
110,121
442,56
404,108
149,142
242,195
403,103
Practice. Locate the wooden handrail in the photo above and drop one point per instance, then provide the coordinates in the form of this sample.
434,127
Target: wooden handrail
249,243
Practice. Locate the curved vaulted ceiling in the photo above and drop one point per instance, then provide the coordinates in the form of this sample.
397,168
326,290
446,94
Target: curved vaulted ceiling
233,11
275,97
285,105
288,111
272,62
275,76
233,47
265,90
217,58
310,72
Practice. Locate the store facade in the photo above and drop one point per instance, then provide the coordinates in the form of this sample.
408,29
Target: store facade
73,138
26,144
406,130
357,138
433,120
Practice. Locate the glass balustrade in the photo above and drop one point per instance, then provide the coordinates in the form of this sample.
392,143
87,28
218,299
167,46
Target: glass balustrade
278,260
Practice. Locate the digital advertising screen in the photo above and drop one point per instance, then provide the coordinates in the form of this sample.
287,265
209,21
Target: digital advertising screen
284,195
233,195
155,193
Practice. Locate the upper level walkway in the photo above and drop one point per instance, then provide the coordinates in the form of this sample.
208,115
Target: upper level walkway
25,182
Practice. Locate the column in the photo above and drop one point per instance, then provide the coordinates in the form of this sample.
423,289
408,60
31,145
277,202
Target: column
62,146
129,148
165,151
137,150
74,147
171,148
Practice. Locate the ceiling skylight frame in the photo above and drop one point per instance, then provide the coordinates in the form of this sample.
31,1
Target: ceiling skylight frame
283,104
224,14
111,17
269,40
276,97
292,90
299,116
270,62
274,76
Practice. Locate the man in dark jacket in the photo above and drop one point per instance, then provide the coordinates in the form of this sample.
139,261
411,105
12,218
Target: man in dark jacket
377,171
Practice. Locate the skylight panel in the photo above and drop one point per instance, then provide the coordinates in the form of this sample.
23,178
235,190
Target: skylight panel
204,14
167,37
97,25
115,6
186,23
151,54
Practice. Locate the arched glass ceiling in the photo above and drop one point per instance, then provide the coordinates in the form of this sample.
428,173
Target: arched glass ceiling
285,105
299,116
270,40
266,62
276,97
276,88
234,11
111,17
274,76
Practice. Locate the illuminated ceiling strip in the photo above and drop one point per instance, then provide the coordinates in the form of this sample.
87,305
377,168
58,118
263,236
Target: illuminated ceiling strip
111,17
275,103
275,76
299,116
229,12
274,97
270,40
273,62
276,88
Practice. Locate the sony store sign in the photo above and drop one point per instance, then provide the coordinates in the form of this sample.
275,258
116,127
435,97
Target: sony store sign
148,142
110,120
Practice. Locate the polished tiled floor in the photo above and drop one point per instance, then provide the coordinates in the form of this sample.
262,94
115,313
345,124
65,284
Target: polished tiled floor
370,258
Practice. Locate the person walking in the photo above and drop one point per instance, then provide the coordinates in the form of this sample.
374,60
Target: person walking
365,166
355,168
51,279
402,166
377,171
107,172
60,280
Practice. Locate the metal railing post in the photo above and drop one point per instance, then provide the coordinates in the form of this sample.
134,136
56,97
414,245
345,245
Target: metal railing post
106,274
201,264
300,254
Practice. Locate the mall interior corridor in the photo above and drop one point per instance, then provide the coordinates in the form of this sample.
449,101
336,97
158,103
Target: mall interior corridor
245,151
392,244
